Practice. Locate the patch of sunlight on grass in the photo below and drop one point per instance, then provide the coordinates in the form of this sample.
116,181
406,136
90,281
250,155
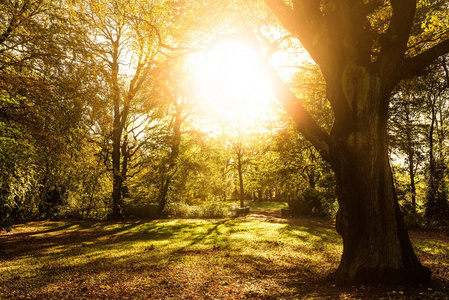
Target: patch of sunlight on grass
254,231
267,205
257,205
431,247
25,267
165,241
9,267
434,253
100,259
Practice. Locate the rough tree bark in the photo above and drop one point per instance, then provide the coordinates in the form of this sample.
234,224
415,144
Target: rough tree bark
361,68
376,246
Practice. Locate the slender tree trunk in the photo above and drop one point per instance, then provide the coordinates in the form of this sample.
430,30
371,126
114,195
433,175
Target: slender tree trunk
311,178
163,196
240,171
117,175
432,188
411,171
125,161
410,154
117,130
441,207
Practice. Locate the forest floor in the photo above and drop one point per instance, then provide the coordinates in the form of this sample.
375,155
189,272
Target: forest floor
259,256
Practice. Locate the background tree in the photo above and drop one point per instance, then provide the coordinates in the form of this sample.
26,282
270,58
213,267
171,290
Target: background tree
238,142
435,98
44,86
181,110
407,132
125,37
306,180
418,134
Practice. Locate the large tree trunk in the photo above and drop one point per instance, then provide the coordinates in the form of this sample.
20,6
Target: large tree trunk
361,67
376,245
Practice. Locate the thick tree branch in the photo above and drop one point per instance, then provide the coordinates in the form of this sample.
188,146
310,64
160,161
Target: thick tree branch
394,44
303,120
305,21
400,25
285,14
416,65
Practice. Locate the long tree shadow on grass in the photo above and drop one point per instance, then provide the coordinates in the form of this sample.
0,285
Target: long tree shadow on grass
221,243
71,234
181,259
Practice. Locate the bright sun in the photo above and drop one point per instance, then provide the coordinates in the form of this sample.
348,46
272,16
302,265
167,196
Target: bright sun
231,83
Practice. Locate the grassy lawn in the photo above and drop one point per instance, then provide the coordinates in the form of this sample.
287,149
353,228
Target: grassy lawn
267,205
190,259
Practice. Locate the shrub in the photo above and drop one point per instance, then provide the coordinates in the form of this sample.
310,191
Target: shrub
205,210
140,210
414,220
312,203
